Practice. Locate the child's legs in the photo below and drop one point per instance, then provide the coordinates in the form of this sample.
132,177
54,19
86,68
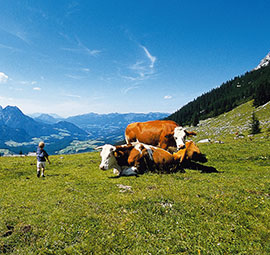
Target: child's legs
41,166
38,167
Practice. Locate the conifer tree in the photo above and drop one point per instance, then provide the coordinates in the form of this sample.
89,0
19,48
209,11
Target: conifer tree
195,119
262,94
255,125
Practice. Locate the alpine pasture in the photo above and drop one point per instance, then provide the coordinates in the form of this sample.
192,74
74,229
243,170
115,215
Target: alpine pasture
79,209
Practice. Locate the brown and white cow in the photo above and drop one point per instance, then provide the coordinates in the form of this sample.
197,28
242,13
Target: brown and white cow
138,158
116,157
190,152
148,158
160,133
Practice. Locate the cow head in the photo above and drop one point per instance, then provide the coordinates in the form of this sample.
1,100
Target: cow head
194,153
180,135
108,159
190,152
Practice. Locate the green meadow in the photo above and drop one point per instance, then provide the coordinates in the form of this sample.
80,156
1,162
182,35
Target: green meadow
79,209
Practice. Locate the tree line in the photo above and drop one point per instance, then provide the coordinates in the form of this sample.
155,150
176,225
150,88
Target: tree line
252,85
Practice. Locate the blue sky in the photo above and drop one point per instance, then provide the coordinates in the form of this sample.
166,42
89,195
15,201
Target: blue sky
75,57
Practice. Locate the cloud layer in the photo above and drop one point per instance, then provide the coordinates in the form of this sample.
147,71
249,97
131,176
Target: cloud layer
3,77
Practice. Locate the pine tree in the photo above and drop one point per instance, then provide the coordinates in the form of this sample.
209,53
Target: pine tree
195,119
262,94
255,125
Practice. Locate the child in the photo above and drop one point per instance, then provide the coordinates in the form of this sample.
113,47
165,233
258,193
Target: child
42,155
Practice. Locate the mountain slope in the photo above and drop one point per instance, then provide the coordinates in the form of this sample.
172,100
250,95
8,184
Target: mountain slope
47,118
111,127
265,62
7,133
19,132
236,122
224,98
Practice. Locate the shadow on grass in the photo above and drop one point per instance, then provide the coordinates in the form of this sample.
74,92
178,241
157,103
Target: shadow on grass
188,165
200,167
55,175
118,176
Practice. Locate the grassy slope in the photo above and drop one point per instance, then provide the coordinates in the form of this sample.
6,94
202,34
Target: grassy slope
79,209
238,120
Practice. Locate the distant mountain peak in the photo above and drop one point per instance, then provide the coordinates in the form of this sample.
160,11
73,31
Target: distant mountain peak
264,62
12,110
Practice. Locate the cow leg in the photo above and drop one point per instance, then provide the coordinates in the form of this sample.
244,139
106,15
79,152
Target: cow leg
129,171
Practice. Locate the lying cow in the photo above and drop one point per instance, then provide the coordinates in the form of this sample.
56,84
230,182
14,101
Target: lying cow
191,152
190,156
160,133
155,159
138,158
148,158
116,157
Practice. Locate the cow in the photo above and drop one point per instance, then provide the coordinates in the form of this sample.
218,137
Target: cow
190,152
155,159
116,157
160,133
148,158
138,158
190,156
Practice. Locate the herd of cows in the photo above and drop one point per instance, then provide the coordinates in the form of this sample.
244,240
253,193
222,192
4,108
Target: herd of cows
154,146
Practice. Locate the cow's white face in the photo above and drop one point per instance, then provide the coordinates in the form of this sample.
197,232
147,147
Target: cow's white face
107,158
180,137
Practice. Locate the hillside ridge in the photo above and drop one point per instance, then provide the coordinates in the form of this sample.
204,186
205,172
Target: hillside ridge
229,95
234,124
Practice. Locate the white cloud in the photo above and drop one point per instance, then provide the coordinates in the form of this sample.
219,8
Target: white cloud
23,36
36,88
168,97
81,48
19,33
70,95
126,90
142,70
3,77
2,46
150,57
5,99
75,77
28,82
85,70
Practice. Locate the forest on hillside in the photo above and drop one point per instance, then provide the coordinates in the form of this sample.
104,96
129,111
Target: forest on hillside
252,85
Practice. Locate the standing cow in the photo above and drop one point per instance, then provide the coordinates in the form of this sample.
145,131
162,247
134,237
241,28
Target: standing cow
160,133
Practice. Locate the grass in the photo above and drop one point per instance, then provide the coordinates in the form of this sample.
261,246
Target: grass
225,126
79,209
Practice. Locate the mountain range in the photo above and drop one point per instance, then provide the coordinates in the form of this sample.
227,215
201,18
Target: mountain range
21,133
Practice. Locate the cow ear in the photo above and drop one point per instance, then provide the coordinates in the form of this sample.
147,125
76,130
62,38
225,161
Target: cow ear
190,133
